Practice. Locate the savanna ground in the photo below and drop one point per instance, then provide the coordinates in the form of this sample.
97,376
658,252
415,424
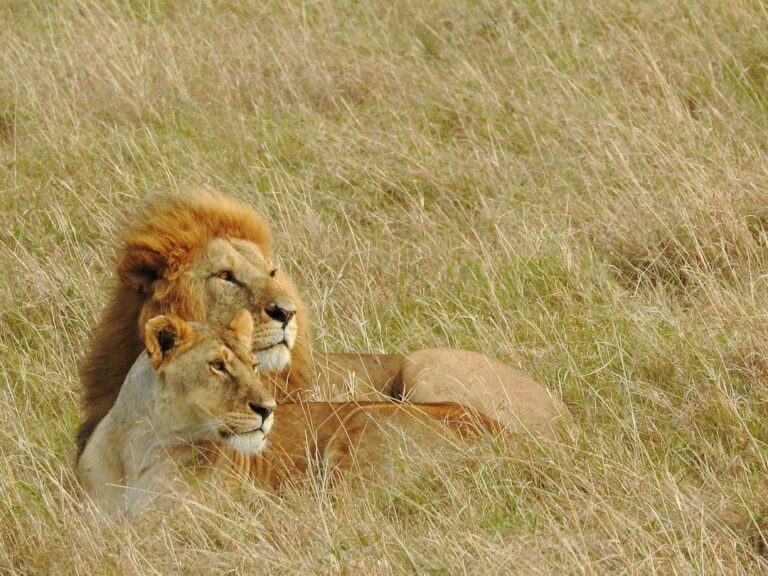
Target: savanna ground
578,188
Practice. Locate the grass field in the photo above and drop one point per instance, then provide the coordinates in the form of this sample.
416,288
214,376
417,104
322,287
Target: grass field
577,188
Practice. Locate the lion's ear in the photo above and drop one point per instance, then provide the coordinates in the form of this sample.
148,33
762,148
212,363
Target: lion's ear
139,268
163,334
242,325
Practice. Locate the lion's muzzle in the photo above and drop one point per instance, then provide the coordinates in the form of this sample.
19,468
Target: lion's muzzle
281,312
245,431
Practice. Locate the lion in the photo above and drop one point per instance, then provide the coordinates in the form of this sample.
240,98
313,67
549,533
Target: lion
204,256
195,404
196,383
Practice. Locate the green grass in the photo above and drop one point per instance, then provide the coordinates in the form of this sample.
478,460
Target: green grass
576,188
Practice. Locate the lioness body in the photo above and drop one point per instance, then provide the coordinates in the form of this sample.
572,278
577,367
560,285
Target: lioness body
194,403
326,439
203,257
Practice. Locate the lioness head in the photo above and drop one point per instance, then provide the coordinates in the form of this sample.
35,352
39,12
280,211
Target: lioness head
201,257
208,386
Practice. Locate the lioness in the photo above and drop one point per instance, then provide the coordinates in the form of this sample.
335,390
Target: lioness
194,402
196,383
203,256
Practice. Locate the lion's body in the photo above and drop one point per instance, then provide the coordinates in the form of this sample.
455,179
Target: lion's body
441,375
164,264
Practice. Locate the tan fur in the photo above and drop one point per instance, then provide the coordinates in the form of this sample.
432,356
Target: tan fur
195,385
488,386
363,436
173,240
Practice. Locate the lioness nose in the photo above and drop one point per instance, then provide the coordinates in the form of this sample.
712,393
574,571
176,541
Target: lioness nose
280,313
261,410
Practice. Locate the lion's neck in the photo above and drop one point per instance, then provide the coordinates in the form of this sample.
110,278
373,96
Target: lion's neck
131,457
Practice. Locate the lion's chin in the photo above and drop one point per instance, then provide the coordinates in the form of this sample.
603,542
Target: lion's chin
274,359
250,443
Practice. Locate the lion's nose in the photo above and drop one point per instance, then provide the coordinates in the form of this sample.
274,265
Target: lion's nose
261,409
282,313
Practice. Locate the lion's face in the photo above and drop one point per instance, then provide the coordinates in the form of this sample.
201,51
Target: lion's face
208,384
234,274
229,275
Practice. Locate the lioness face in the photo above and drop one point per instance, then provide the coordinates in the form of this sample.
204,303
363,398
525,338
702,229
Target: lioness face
208,381
232,275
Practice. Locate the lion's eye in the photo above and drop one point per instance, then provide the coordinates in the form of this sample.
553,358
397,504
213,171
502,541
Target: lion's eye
218,367
226,275
273,273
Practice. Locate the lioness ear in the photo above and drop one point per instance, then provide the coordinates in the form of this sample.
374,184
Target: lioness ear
162,334
242,325
139,268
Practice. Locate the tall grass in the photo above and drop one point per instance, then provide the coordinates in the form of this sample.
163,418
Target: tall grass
575,188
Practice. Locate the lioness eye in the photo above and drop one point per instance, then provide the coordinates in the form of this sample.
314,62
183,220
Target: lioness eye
273,273
218,366
226,275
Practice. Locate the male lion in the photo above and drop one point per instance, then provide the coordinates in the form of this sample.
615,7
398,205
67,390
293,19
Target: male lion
194,402
204,256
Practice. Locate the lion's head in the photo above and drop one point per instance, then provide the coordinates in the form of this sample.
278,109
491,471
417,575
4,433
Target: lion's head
222,276
208,387
201,257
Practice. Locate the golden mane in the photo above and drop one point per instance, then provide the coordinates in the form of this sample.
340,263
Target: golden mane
192,220
157,246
